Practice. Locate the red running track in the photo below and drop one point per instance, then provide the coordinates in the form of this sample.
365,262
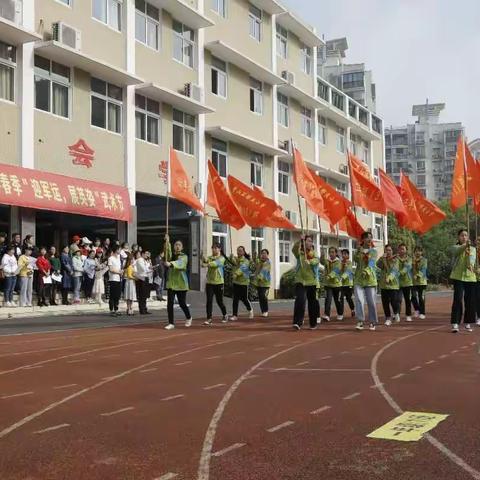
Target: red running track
247,401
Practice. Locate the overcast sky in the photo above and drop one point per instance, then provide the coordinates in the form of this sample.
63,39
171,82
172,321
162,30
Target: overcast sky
417,49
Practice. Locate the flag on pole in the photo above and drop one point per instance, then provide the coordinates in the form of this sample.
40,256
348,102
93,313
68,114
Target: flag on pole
393,199
411,219
351,225
459,186
278,218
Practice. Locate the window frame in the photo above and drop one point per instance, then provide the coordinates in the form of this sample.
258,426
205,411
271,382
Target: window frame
256,167
12,65
147,18
217,235
255,21
219,154
281,39
322,130
107,14
220,73
306,57
185,41
306,122
343,140
283,107
218,12
284,246
283,179
185,127
107,99
256,94
152,115
257,237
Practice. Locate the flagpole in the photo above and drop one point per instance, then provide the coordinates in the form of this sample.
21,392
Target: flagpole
165,251
306,217
465,179
321,234
351,186
292,145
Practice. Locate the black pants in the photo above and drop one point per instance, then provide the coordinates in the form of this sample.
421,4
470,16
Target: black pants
303,295
115,293
477,300
407,296
65,296
262,298
347,293
336,294
143,288
53,292
182,301
418,298
390,298
217,292
240,292
88,286
463,292
43,292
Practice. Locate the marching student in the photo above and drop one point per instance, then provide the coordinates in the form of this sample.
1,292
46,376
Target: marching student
177,281
464,282
215,282
241,280
389,284
262,278
306,282
406,281
419,282
332,281
347,281
365,282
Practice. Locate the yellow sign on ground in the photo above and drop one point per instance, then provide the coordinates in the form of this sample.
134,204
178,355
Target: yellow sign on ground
408,427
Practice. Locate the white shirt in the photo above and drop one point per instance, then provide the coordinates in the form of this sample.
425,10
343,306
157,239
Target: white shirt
114,263
10,265
142,269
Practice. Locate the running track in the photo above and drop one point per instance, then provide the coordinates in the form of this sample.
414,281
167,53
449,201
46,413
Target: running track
246,401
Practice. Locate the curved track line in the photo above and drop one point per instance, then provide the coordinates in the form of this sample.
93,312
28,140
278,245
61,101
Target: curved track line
206,454
39,413
396,407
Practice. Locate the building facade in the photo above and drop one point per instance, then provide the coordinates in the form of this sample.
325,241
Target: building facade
228,80
425,150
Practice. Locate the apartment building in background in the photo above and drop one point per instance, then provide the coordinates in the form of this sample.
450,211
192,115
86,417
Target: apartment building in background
425,150
474,146
123,80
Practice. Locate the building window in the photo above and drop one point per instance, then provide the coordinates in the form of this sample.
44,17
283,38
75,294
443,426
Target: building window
147,23
353,144
322,130
219,77
352,80
147,119
340,140
365,152
283,177
421,166
256,96
338,100
220,7
284,246
183,43
220,234
108,12
106,105
257,240
283,112
306,121
255,22
306,59
219,157
184,126
8,59
52,87
421,179
256,169
282,41
378,230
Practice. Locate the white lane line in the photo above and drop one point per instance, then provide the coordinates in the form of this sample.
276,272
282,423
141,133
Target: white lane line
167,476
211,387
142,351
148,370
473,343
443,356
279,427
17,395
320,410
65,386
360,348
299,364
238,353
111,355
252,376
78,361
183,363
115,412
352,396
279,345
214,357
284,369
398,375
326,357
344,352
429,362
34,366
414,369
454,351
51,429
376,386
173,397
235,446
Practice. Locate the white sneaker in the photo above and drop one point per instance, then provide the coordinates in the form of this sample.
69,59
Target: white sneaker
233,318
388,322
326,318
8,304
225,319
409,319
170,326
416,314
296,327
319,320
314,327
455,328
188,322
339,318
359,326
478,322
396,317
422,317
468,328
265,314
372,327
251,314
208,321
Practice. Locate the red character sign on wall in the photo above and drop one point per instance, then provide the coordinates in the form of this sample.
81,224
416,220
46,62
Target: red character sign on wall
163,171
82,154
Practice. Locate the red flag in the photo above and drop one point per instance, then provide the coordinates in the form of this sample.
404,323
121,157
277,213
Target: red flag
219,198
459,188
473,172
180,185
393,199
411,219
351,225
278,219
365,192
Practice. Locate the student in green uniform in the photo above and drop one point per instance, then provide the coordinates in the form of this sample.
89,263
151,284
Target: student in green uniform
306,282
332,281
419,282
406,281
365,282
215,282
464,282
241,280
477,290
261,279
389,284
347,281
177,282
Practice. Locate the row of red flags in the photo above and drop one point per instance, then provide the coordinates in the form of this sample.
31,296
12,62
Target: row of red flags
240,205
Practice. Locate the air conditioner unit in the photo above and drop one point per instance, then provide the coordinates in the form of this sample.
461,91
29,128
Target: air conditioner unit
343,169
289,77
193,91
284,145
69,36
11,10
